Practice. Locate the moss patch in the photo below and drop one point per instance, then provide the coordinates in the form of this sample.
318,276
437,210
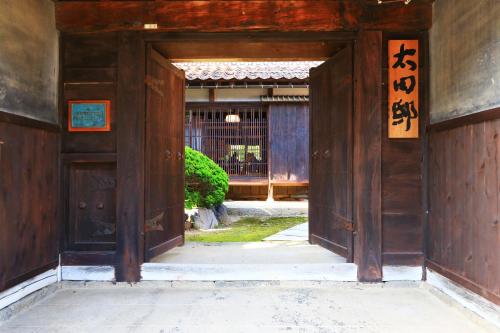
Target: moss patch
249,229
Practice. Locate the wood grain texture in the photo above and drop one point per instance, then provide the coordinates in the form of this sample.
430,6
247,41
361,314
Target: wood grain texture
367,155
289,141
88,258
464,190
89,66
246,49
130,156
260,192
11,118
164,156
91,196
29,211
88,71
224,16
331,148
402,172
404,87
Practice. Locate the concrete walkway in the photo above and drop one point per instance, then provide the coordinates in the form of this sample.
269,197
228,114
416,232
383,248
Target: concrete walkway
243,307
267,208
255,261
249,253
298,233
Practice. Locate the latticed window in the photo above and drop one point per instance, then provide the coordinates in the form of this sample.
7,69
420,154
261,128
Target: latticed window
233,135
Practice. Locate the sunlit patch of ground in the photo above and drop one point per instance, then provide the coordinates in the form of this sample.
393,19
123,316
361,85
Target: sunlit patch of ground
248,229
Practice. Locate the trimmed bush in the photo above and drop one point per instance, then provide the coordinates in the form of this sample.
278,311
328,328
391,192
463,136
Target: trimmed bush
206,182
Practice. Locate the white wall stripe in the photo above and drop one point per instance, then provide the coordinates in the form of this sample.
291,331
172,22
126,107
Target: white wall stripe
27,287
471,301
402,273
87,273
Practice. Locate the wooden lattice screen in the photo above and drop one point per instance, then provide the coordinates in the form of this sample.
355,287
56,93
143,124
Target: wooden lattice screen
233,135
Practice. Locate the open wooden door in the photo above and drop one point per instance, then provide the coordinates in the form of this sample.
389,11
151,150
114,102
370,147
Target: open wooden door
164,168
331,162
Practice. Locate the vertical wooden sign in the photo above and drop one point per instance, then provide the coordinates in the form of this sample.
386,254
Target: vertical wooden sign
403,89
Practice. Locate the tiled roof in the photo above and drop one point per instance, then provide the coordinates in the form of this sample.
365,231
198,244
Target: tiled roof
247,70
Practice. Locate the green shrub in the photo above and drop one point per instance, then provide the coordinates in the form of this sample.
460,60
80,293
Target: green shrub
206,183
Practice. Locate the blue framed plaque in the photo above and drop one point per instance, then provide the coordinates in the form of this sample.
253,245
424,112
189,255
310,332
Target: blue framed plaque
89,116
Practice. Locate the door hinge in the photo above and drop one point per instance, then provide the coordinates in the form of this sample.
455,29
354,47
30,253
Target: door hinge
154,224
343,222
349,226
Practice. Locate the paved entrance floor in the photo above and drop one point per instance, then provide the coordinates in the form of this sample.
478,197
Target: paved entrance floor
256,261
267,208
298,233
244,307
282,252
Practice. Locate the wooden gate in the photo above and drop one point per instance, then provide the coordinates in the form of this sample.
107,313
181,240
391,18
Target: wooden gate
331,141
164,165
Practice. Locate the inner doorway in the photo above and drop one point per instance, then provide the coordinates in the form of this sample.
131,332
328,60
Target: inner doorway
330,147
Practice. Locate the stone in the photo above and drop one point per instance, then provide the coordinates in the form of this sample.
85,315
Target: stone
189,217
205,219
187,222
221,214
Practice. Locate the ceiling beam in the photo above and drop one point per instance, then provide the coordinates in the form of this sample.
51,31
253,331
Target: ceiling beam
240,16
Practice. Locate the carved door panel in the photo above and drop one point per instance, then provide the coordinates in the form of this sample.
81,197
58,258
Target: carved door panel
92,206
331,183
164,173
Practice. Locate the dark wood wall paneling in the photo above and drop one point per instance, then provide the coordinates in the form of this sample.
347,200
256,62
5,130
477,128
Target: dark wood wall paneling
260,192
289,141
89,72
29,215
402,171
464,197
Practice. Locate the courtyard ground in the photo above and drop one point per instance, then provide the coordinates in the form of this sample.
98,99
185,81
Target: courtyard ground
244,307
246,229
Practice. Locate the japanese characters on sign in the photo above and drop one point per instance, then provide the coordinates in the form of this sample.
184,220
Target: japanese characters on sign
403,82
89,116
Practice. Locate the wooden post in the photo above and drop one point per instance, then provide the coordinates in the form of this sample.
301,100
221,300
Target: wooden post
270,192
270,189
130,156
211,95
367,155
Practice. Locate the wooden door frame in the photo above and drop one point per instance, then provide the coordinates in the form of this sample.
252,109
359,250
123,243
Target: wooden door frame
131,103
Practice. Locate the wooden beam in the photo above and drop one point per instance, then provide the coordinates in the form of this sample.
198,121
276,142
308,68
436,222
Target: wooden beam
239,15
130,156
367,155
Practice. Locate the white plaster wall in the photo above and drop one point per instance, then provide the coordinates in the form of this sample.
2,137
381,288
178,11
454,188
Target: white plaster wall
291,91
29,58
196,95
465,58
240,94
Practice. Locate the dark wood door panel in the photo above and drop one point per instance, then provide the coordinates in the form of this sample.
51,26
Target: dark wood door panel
164,185
92,206
331,183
